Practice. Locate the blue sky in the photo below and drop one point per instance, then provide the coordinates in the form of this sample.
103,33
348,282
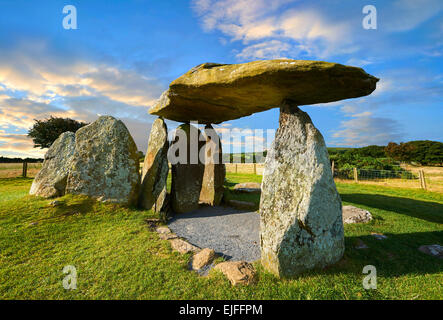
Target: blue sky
125,53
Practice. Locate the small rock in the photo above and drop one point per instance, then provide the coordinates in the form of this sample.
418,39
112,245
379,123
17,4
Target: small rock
202,258
238,272
183,246
435,250
55,203
360,245
378,236
167,236
353,214
242,205
163,230
248,187
165,233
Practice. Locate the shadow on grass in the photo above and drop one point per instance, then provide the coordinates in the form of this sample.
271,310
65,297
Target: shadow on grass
398,255
429,211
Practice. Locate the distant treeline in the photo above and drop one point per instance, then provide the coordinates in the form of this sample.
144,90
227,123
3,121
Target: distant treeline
19,160
422,152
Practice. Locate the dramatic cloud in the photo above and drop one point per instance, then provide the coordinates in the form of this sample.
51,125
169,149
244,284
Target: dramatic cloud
304,31
18,145
35,84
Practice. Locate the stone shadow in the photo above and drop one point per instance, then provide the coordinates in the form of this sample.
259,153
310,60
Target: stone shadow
396,256
429,211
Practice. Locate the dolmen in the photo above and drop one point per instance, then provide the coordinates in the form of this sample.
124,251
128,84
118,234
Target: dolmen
301,223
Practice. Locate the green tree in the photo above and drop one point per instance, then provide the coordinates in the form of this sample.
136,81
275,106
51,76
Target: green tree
45,132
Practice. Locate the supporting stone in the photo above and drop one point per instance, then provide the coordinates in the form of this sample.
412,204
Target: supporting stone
105,163
186,168
214,173
51,179
155,169
300,209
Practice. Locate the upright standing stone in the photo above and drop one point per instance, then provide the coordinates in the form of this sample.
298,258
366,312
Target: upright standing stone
155,168
51,179
106,163
300,209
187,170
214,173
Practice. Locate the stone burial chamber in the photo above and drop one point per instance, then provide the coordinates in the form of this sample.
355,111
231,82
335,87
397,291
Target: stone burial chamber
301,223
300,211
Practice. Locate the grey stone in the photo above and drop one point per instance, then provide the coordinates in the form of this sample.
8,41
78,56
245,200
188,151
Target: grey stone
378,236
50,181
435,250
155,169
242,205
214,172
212,93
187,173
106,163
248,187
360,245
353,214
301,223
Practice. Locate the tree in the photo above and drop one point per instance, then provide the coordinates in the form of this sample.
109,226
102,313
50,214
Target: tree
400,152
45,132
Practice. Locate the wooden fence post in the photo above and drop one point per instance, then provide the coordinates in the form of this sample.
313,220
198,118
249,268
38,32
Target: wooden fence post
255,168
355,175
332,168
235,168
25,169
421,175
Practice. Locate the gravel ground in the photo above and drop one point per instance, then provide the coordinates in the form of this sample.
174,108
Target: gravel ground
231,233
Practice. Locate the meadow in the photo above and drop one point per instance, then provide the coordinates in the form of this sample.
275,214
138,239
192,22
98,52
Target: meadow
118,256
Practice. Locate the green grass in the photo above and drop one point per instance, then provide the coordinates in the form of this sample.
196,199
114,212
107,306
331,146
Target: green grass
118,257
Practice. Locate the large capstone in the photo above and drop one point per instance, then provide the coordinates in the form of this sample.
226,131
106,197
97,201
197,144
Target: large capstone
105,164
301,223
51,179
187,169
214,173
212,93
155,168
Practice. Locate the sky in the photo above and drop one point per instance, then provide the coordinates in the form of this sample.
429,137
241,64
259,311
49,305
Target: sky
124,54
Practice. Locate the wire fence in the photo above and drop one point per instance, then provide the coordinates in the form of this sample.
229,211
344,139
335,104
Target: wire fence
370,174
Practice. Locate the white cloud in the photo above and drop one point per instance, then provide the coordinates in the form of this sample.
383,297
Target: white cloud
272,49
365,129
298,31
18,145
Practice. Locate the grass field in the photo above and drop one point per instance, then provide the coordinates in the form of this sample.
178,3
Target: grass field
118,257
13,170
